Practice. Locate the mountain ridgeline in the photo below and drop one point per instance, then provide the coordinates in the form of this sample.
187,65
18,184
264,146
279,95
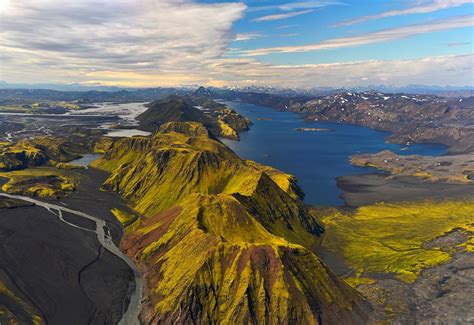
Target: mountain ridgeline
221,239
220,120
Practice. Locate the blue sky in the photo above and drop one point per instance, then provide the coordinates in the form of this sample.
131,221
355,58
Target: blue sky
305,43
318,25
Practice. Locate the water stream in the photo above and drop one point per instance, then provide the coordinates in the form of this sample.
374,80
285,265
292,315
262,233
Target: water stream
131,316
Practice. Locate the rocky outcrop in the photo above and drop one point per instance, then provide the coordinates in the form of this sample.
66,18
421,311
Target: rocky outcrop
233,119
458,139
449,169
222,240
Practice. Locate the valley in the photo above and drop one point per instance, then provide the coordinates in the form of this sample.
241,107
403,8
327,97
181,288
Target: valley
170,178
247,162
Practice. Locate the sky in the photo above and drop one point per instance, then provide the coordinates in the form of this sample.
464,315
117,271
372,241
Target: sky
296,44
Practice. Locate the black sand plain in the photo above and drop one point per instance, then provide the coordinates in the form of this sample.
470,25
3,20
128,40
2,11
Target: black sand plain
62,272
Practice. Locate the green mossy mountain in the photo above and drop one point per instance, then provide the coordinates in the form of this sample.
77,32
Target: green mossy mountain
220,120
39,167
47,150
172,109
222,240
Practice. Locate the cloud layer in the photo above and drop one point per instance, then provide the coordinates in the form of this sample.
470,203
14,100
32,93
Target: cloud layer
418,8
443,70
89,35
374,37
283,16
297,5
144,43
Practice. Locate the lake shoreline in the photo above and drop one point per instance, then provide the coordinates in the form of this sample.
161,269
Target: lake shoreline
352,138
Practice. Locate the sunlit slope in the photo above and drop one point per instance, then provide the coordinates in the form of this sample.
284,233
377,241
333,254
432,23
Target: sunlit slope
398,239
48,150
159,172
39,166
223,240
220,120
43,182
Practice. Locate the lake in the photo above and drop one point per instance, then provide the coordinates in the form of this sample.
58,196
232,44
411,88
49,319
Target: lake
315,158
85,160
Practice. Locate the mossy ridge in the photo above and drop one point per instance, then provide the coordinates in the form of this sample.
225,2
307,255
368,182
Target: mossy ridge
389,238
179,165
38,167
43,182
217,118
20,155
41,107
239,271
53,151
233,119
223,240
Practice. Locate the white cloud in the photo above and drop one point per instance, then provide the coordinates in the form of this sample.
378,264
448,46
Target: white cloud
289,35
419,8
374,37
246,36
282,16
456,44
297,5
145,43
130,35
442,70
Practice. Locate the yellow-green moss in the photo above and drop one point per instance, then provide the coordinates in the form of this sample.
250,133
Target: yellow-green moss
422,174
237,267
124,217
226,130
44,182
159,172
390,238
223,240
355,281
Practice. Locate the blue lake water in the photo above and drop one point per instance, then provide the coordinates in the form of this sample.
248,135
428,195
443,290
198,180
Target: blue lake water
85,160
315,158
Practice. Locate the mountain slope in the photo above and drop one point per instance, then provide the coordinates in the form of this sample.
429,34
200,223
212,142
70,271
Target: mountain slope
172,109
222,240
217,118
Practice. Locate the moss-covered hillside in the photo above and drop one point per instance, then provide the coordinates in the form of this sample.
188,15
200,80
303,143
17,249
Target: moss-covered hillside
38,167
47,150
222,240
217,118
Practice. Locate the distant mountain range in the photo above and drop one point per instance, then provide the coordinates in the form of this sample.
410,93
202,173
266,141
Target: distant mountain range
465,91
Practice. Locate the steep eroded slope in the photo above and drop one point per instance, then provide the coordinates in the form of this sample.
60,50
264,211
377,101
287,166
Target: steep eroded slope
222,240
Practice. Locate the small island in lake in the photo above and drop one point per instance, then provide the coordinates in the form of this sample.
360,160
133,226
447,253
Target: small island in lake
314,130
